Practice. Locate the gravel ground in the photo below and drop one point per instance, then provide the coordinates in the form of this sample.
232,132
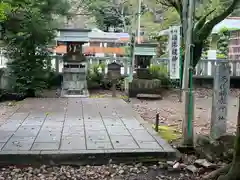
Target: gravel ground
108,172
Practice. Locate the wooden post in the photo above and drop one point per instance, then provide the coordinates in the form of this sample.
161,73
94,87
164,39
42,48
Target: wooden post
157,122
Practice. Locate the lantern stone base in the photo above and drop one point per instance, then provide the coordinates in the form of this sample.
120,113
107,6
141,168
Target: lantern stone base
75,93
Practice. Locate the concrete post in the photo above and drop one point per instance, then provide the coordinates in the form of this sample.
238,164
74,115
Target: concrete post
114,94
220,100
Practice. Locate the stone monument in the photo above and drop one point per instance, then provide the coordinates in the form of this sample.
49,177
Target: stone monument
220,100
74,62
114,73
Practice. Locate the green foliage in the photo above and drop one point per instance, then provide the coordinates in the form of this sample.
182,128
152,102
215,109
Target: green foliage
122,14
167,133
96,78
107,13
162,43
4,8
206,47
29,29
96,73
222,44
221,56
223,41
158,72
54,79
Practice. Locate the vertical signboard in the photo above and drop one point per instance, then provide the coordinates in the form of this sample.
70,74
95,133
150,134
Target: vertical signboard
220,100
174,52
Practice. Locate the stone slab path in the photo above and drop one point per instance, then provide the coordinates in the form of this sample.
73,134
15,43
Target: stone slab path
77,125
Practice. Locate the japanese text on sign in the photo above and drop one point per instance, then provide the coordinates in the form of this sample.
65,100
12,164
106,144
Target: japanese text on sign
222,95
174,52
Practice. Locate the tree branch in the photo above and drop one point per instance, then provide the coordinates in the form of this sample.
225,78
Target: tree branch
200,23
166,3
207,28
177,4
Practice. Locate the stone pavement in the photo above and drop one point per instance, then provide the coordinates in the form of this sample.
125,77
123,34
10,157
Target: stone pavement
77,126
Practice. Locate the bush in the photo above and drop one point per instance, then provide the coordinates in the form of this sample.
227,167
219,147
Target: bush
96,79
159,72
107,84
54,79
94,76
221,56
6,95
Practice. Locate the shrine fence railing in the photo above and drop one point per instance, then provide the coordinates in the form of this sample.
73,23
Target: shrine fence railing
204,69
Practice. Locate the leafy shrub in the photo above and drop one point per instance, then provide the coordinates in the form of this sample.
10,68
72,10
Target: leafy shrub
107,84
54,79
159,72
97,79
95,76
221,56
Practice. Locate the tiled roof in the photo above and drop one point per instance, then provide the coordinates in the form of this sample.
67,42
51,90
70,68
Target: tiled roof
62,49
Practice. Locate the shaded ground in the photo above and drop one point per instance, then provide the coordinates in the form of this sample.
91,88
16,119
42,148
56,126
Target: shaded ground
108,172
172,112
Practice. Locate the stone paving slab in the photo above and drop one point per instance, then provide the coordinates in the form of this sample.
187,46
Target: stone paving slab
80,125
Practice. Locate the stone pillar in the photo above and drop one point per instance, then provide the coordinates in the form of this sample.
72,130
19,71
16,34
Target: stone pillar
220,100
125,67
57,63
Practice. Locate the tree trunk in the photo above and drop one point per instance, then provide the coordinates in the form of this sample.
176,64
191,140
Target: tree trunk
197,53
234,172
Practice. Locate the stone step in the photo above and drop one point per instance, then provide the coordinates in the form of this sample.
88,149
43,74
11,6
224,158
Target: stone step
149,96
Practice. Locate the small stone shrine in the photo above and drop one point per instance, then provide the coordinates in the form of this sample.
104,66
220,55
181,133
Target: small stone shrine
114,73
75,66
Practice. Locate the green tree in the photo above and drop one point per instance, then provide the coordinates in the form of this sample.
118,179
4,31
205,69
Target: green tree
223,42
236,12
29,28
108,13
4,8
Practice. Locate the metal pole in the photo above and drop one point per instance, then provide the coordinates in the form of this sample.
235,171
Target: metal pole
132,56
187,49
187,80
139,21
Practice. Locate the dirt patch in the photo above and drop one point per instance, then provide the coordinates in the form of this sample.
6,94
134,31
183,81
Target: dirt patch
171,111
